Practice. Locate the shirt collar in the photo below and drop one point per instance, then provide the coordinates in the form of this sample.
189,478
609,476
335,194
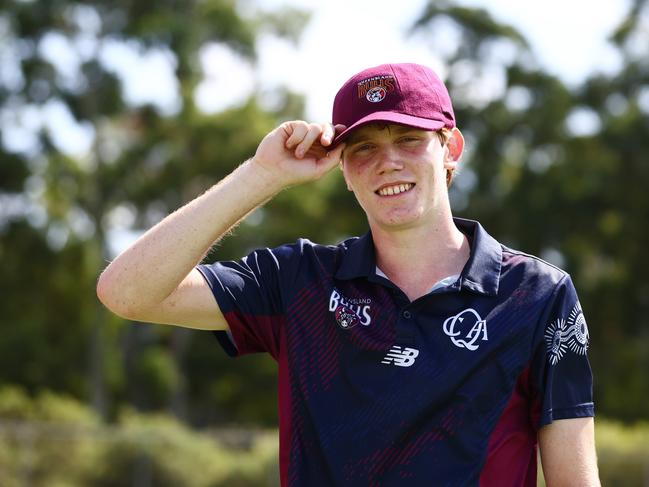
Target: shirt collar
359,259
481,274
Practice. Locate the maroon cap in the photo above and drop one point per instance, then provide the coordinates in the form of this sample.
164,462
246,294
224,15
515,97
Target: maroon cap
405,94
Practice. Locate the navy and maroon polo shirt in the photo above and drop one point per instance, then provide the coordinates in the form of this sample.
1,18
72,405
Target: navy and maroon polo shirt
447,390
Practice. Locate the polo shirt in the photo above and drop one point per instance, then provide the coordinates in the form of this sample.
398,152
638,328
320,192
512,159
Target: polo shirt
447,390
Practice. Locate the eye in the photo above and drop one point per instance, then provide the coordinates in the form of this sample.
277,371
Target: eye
409,139
362,148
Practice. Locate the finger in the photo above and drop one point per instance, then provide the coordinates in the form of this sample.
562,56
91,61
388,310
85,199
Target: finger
296,130
317,151
313,133
335,129
328,133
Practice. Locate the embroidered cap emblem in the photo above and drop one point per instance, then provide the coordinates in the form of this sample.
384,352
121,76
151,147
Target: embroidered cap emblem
376,88
376,95
466,328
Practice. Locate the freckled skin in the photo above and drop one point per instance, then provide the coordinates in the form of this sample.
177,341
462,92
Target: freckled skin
376,156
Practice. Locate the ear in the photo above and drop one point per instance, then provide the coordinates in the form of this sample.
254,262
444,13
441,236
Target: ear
454,149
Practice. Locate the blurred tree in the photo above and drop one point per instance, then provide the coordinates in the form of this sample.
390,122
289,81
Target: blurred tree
64,209
572,196
562,173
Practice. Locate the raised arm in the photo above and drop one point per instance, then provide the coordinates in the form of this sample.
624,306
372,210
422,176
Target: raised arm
155,279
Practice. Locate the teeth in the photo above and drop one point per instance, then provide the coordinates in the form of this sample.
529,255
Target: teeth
396,189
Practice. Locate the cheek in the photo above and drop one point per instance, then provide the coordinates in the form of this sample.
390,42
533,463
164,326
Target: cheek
352,175
349,178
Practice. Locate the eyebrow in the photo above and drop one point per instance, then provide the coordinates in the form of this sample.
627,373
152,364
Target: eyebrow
361,137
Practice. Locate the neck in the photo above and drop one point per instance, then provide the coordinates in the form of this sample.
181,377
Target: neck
416,258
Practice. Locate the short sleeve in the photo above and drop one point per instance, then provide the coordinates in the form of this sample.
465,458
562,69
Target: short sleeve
561,369
250,294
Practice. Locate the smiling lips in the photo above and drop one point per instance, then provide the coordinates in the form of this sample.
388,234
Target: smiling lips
394,189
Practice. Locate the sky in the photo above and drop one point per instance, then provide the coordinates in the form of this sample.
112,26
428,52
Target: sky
342,37
346,36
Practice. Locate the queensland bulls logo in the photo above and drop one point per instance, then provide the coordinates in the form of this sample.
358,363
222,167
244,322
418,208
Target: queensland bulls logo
375,95
345,317
349,312
376,88
466,328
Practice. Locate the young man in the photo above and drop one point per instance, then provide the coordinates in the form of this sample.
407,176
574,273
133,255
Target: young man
422,353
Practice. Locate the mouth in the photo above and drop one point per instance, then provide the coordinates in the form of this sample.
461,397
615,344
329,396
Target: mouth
394,189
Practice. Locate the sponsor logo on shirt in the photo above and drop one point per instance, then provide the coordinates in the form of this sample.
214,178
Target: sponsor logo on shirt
466,328
349,312
562,334
401,357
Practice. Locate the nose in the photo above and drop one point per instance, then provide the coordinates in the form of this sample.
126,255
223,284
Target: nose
388,160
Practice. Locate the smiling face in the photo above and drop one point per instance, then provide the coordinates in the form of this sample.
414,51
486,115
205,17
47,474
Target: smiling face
398,173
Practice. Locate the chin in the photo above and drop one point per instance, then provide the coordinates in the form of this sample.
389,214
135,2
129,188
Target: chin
398,221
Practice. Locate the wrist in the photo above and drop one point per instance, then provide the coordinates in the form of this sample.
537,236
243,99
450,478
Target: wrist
263,181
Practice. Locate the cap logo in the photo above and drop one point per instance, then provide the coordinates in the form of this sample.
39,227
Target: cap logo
375,95
375,89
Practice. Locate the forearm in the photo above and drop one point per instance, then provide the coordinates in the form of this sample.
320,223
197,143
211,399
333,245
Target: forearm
568,453
150,270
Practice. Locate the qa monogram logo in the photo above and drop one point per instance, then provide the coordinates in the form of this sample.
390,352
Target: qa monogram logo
457,327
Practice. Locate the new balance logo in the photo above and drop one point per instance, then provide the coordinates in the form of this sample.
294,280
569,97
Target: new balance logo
403,357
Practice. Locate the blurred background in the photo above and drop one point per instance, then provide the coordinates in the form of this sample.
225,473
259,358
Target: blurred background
113,114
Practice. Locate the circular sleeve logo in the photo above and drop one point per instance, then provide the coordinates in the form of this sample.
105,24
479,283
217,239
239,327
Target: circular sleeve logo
561,335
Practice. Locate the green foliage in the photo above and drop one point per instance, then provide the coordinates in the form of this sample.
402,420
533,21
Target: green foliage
477,24
166,453
15,404
532,182
623,453
55,440
143,164
44,440
286,22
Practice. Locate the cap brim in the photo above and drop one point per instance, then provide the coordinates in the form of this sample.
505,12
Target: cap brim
389,117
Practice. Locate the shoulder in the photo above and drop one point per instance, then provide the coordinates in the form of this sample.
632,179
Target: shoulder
303,247
521,270
303,254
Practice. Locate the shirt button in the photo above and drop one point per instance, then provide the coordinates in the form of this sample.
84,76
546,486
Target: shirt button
406,314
